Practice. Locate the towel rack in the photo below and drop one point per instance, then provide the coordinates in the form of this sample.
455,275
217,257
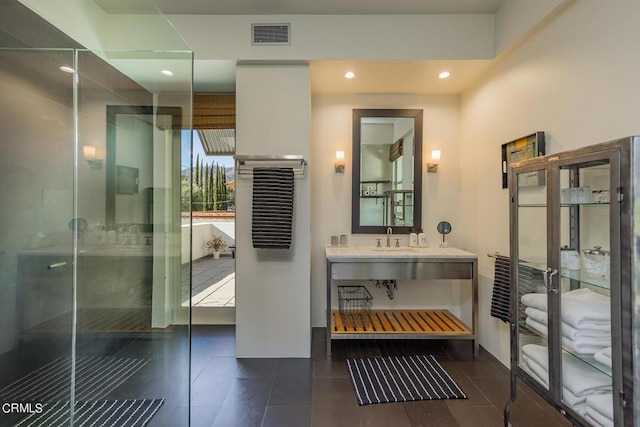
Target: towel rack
494,255
246,163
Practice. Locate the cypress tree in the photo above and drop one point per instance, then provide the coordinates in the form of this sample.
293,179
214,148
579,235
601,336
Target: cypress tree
205,198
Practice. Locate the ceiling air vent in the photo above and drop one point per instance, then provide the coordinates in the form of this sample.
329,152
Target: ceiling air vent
270,34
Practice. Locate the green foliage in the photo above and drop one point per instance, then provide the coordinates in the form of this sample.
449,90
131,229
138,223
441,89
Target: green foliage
208,190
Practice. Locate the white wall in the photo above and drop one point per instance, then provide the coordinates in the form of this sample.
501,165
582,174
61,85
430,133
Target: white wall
331,192
273,302
576,80
342,36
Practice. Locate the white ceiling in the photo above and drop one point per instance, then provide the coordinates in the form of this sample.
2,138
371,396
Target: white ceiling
327,77
302,7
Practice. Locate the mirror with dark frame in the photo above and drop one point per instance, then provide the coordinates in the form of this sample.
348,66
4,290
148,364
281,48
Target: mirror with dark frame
129,161
387,171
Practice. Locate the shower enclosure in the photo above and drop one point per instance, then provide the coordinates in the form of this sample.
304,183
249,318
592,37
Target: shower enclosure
91,266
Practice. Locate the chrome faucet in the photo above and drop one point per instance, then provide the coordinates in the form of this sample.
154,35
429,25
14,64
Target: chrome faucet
389,233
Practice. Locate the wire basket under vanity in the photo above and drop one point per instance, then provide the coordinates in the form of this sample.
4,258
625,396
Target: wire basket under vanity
354,299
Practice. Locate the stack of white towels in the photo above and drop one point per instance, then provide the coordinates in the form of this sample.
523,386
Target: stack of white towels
585,315
586,390
586,331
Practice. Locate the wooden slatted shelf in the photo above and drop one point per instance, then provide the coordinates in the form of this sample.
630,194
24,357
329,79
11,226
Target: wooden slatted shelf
401,322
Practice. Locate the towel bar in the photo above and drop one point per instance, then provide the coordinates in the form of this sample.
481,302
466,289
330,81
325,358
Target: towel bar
246,163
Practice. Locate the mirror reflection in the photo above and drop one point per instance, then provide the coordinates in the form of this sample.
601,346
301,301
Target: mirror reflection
387,150
135,136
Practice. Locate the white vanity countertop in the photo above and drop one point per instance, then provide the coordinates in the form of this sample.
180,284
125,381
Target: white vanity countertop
338,253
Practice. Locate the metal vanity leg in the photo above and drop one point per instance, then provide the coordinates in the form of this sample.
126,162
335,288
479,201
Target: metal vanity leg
474,292
328,337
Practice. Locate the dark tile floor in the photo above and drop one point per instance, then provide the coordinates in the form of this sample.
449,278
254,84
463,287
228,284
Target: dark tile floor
230,392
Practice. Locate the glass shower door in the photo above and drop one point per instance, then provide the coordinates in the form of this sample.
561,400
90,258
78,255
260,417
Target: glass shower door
37,231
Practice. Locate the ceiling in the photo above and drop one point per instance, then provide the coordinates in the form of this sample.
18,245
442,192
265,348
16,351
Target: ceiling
302,7
327,76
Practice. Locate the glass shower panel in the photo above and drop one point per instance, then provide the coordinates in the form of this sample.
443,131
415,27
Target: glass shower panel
131,323
36,231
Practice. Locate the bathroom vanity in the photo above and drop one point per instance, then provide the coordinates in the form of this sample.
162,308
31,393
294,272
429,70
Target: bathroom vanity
405,263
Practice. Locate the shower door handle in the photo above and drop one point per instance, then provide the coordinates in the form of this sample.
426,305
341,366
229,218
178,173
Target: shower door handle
56,265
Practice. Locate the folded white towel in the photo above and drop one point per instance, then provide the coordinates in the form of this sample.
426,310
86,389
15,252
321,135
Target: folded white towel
602,357
535,300
579,404
580,307
601,330
580,378
595,423
538,373
581,346
585,345
602,404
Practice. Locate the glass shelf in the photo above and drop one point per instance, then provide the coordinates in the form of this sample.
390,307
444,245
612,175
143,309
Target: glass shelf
568,205
531,331
531,205
589,361
533,266
577,275
588,279
563,205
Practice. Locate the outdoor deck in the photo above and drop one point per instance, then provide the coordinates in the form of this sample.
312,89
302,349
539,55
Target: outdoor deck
214,283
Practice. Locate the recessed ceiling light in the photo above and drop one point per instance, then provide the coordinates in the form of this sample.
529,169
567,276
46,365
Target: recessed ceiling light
67,69
167,73
349,75
444,74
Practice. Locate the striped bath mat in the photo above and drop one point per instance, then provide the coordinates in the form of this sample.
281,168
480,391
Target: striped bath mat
95,378
121,413
401,379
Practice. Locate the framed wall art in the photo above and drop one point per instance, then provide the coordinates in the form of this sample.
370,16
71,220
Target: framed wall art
524,148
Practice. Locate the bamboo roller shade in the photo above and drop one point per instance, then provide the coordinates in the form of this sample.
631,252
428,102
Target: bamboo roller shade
214,111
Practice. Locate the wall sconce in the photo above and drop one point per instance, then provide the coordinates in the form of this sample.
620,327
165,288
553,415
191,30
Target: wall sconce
432,166
339,161
89,152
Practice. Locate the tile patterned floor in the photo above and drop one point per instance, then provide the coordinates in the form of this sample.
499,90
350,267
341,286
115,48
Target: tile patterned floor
228,392
231,392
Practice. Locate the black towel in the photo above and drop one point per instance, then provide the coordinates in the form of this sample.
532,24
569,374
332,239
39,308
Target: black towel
501,298
273,190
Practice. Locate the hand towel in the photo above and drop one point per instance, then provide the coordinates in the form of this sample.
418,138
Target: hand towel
500,299
272,209
601,356
579,378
